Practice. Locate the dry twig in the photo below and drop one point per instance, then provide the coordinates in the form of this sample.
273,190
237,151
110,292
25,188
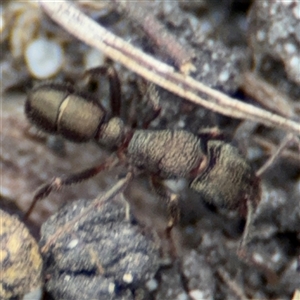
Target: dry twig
267,95
165,41
286,141
85,29
233,286
270,147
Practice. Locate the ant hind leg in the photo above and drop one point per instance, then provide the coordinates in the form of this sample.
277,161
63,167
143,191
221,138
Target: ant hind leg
114,85
58,182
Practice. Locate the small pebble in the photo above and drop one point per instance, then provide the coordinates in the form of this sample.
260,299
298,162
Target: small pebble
44,58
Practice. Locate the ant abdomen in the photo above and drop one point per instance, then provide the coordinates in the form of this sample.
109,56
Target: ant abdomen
58,109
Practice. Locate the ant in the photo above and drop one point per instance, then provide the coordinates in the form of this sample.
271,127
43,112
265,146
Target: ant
213,167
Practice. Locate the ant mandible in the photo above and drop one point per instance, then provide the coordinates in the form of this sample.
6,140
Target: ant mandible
214,168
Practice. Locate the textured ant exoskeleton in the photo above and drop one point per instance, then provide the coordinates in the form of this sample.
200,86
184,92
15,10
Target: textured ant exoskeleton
214,168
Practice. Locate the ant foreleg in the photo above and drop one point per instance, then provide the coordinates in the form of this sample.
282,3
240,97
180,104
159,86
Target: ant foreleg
116,189
211,133
248,229
58,182
242,251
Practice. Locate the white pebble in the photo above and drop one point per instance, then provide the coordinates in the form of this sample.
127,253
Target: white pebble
296,11
111,288
199,295
73,244
44,58
34,295
182,296
295,62
224,76
290,48
206,68
127,278
67,278
258,258
152,285
276,257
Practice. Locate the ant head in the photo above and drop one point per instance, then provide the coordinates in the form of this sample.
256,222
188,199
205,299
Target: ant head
228,179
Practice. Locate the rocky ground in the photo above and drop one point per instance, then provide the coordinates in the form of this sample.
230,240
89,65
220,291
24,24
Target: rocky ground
246,49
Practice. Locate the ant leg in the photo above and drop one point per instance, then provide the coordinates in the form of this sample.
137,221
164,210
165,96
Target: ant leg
245,255
207,134
289,139
127,207
149,92
248,228
116,189
212,133
242,251
173,208
114,85
57,182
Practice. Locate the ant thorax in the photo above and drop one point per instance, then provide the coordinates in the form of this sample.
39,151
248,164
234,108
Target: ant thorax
166,153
